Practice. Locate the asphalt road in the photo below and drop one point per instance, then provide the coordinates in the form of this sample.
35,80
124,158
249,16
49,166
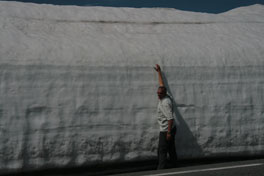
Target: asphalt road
238,168
209,167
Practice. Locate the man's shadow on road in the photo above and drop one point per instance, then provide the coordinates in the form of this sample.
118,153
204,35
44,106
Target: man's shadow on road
185,142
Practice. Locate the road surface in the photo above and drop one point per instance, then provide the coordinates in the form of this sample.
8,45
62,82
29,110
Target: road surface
238,168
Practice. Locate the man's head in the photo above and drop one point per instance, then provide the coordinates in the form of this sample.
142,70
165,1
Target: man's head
162,92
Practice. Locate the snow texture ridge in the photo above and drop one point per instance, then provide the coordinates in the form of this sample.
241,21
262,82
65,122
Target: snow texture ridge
77,86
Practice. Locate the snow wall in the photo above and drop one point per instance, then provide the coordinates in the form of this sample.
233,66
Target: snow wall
77,84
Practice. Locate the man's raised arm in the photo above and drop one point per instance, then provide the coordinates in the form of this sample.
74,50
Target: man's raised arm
157,68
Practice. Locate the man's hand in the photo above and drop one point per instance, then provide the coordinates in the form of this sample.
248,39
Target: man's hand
157,68
168,136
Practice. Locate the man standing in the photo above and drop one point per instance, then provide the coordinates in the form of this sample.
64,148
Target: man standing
167,126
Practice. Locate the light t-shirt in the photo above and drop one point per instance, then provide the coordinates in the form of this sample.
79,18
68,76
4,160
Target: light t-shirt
164,113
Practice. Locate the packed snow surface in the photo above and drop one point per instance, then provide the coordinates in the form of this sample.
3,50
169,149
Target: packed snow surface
77,84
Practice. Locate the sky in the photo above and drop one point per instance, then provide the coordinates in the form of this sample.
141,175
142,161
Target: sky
208,6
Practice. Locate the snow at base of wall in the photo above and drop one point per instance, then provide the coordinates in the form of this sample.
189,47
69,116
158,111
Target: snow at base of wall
77,84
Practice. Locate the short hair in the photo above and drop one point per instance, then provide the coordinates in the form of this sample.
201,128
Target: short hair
164,88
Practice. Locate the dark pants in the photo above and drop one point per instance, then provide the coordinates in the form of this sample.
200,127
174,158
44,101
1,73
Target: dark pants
165,147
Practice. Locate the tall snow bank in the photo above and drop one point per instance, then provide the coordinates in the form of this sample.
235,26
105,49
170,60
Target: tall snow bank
77,85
